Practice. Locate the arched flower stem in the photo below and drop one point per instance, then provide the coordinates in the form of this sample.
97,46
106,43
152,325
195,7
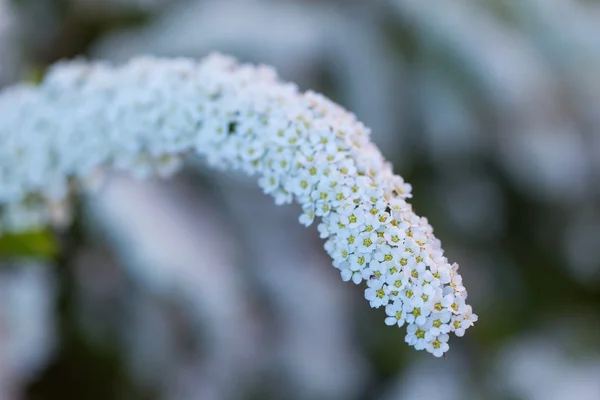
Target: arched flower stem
143,116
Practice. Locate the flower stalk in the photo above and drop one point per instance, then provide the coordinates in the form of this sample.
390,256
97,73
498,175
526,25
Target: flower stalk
144,116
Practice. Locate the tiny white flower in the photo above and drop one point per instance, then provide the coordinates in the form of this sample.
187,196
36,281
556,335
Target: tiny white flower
269,183
456,282
395,314
322,208
308,215
442,302
415,336
377,293
282,197
349,237
384,218
335,225
352,217
301,185
347,167
341,194
394,236
415,311
358,261
387,254
371,223
340,253
323,230
323,191
397,283
355,276
460,323
367,242
438,323
438,346
375,270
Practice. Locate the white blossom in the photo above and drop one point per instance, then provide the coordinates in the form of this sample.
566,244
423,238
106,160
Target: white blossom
395,315
438,346
148,115
377,293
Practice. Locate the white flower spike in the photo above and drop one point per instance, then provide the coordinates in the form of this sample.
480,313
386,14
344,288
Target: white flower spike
145,116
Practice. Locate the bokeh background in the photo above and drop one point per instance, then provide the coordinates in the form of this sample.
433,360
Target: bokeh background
200,288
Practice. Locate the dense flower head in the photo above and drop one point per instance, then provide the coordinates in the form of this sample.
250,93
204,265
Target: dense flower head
145,116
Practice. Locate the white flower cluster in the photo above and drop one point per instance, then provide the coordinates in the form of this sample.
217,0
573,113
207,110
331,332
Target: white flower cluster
144,116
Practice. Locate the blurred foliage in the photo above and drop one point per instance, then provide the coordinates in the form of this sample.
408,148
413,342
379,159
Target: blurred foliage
83,368
528,268
77,29
39,244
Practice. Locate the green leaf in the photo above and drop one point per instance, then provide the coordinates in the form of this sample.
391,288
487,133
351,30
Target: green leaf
36,244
